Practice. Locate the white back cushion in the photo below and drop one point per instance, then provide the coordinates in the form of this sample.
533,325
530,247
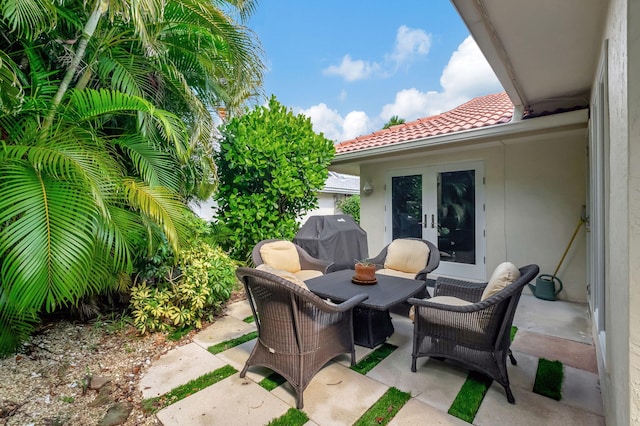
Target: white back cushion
502,276
407,256
281,255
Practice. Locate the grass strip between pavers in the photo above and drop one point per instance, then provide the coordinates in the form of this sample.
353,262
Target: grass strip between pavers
293,417
470,396
272,381
549,378
249,319
223,346
384,409
374,358
153,405
514,330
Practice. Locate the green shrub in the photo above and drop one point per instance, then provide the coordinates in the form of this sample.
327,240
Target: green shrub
350,206
187,295
271,165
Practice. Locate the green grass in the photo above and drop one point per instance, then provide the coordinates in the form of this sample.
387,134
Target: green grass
384,409
514,330
470,396
221,347
293,417
272,381
249,319
549,379
374,358
153,405
179,333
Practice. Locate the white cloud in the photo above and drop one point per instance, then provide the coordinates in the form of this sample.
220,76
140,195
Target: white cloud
352,70
343,95
466,76
329,122
409,43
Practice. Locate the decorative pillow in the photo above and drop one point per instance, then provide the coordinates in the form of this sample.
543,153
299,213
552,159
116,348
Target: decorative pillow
502,276
282,274
281,255
442,300
407,255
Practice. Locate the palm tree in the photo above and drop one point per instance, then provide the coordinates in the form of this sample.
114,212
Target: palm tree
105,136
393,121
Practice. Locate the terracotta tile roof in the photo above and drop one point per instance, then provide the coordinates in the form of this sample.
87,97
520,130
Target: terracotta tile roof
479,112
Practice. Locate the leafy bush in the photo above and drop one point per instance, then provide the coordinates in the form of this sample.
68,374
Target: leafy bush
350,206
185,297
271,165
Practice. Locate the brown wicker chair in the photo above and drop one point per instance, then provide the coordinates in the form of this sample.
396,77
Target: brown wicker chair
298,332
307,262
477,334
430,264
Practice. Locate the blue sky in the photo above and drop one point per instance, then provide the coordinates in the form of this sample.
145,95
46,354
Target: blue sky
350,65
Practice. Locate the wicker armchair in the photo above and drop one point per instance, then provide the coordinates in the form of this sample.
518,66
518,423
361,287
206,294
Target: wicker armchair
309,266
430,264
476,334
298,332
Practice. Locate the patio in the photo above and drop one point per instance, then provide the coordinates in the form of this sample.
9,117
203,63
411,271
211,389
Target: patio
339,396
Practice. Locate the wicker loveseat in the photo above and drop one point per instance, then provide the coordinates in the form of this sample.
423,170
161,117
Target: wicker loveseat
298,332
459,324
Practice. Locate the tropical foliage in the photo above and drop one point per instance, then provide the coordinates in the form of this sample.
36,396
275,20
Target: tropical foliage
350,206
271,165
105,134
393,121
186,295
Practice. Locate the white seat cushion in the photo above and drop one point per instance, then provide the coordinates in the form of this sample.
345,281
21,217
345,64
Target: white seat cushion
289,276
407,256
385,271
307,274
502,276
281,255
442,300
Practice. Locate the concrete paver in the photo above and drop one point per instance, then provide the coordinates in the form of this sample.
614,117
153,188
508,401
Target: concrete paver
230,402
581,389
176,368
239,310
225,328
417,413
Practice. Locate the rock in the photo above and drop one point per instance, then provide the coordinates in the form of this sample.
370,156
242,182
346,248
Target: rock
117,414
98,382
104,397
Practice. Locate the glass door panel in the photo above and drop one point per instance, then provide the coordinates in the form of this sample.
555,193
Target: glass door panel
406,206
457,216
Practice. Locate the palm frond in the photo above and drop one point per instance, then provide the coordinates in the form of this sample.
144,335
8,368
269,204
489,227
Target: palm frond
162,206
28,18
11,92
46,241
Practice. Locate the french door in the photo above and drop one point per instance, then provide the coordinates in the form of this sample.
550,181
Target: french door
444,205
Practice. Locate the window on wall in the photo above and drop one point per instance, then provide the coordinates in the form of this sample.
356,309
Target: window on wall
598,202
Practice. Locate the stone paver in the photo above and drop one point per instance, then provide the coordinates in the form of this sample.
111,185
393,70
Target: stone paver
225,328
336,395
239,310
230,402
176,368
435,382
530,410
417,413
581,389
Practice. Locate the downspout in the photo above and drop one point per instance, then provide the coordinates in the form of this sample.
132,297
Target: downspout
518,113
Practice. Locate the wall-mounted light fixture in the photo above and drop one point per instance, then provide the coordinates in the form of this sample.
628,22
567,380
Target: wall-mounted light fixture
367,188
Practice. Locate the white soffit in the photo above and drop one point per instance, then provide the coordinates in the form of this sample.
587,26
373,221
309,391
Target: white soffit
544,52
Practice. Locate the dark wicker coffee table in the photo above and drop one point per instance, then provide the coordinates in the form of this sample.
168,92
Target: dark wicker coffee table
371,323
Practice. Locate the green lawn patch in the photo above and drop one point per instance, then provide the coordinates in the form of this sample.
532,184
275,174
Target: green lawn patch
272,381
249,319
179,333
470,396
374,358
514,330
549,379
293,417
384,409
153,405
223,346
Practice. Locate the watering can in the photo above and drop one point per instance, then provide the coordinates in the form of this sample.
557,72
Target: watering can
545,287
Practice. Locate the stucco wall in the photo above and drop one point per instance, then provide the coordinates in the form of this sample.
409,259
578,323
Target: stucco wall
615,376
534,192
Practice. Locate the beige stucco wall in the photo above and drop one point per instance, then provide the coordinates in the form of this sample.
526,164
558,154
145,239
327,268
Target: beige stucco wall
619,374
534,193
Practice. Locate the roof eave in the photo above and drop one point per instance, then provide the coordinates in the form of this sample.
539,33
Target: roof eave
546,124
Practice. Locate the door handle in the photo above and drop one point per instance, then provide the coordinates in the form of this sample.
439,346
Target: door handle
432,222
424,222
